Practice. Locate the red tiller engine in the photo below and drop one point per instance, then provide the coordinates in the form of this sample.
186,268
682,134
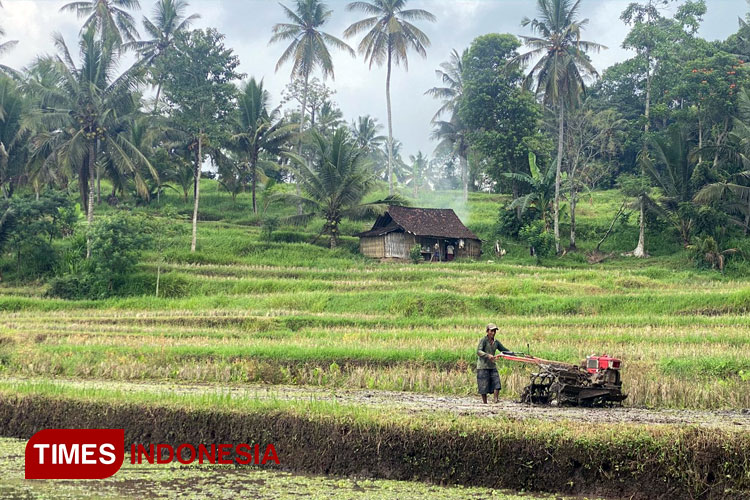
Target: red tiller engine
596,363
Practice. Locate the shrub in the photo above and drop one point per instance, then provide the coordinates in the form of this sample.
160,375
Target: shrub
71,286
34,225
707,254
415,254
116,245
508,224
539,239
270,224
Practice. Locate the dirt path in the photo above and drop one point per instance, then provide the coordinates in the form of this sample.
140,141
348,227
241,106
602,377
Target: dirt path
420,403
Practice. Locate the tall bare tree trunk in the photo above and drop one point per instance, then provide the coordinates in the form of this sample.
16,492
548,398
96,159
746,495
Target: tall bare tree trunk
92,181
301,128
390,121
558,173
198,160
640,250
573,200
464,175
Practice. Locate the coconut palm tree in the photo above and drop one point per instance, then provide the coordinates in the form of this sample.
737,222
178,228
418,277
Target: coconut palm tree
335,184
366,131
452,138
14,107
389,36
107,17
169,19
85,108
562,66
307,50
419,165
451,75
258,131
308,47
671,168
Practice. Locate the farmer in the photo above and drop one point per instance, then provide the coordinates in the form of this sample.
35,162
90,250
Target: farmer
488,379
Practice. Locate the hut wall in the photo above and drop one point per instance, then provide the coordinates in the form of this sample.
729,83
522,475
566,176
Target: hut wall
472,248
372,247
397,245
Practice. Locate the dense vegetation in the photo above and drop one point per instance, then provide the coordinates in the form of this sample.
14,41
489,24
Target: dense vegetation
124,257
528,118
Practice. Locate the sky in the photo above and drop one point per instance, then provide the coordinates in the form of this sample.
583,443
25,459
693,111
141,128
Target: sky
359,91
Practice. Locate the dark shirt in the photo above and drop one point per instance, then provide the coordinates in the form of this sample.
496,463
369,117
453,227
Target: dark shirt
487,349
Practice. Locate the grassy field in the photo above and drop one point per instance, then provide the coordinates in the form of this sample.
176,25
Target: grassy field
248,309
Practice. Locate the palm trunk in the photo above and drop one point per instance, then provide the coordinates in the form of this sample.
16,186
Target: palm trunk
158,278
558,173
198,159
700,140
83,187
414,180
334,238
573,200
92,180
465,175
158,93
301,128
98,180
254,185
720,140
390,121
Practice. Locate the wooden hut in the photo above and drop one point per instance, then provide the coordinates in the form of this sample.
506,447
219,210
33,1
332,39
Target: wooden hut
440,233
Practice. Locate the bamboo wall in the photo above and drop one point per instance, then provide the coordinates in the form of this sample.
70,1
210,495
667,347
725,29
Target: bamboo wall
472,248
398,245
373,247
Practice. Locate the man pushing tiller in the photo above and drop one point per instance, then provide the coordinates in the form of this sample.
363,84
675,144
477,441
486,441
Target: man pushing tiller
595,382
488,380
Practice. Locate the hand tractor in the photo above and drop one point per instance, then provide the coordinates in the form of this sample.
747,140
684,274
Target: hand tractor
596,382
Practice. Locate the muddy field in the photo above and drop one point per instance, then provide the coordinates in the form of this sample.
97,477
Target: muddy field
198,482
420,403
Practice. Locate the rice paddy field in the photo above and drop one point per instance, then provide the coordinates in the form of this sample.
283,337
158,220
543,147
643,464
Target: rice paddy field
345,346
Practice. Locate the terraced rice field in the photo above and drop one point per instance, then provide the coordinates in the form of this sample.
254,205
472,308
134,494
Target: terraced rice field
684,337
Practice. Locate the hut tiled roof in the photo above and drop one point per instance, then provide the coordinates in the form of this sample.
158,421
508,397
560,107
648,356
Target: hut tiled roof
434,222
